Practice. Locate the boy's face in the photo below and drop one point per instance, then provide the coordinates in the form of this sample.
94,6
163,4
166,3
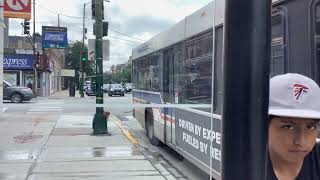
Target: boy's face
291,139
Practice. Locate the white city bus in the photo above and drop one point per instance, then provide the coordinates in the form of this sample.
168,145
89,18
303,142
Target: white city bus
175,67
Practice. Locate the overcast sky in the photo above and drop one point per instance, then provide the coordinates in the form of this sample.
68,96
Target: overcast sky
131,22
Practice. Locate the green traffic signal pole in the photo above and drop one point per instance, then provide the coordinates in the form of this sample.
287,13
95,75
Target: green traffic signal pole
99,121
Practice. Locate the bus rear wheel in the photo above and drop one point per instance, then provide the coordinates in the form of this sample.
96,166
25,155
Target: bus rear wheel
150,131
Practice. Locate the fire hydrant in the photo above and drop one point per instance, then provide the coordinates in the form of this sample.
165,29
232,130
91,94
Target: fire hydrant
106,114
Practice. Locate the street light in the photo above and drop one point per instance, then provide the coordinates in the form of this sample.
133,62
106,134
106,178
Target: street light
83,50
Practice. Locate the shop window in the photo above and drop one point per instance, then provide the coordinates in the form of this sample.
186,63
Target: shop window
13,77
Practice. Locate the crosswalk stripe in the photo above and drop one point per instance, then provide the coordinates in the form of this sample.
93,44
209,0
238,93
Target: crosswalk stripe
44,110
41,110
49,108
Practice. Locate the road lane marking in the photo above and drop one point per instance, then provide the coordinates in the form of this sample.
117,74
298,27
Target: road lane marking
125,131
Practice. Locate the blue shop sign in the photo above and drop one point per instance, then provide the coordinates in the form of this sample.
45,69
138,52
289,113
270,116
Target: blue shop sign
57,40
54,37
18,62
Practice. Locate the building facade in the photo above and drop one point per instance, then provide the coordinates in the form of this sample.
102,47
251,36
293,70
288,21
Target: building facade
20,65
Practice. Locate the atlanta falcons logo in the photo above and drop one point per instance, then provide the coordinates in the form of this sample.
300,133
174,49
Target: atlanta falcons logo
298,90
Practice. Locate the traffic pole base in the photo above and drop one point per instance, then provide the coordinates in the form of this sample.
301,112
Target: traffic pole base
100,126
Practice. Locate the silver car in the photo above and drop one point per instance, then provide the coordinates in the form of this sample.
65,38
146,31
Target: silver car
16,94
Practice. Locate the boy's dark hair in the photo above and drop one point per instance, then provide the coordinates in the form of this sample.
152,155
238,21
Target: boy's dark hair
271,117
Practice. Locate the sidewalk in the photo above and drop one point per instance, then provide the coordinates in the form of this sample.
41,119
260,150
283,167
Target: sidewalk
65,94
38,148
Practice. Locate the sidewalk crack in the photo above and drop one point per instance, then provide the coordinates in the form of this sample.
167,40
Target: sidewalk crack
34,163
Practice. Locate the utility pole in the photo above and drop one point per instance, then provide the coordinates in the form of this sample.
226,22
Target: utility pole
58,20
35,76
81,63
246,68
2,26
99,121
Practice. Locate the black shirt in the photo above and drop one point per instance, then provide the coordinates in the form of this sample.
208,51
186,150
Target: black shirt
310,169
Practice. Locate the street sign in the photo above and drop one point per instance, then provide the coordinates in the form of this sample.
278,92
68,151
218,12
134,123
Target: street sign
106,50
68,73
54,37
17,9
92,48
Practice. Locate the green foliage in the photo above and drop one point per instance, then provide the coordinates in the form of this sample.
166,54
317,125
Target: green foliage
123,76
107,78
126,74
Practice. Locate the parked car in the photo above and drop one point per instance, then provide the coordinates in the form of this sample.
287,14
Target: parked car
116,89
106,87
16,94
128,87
89,91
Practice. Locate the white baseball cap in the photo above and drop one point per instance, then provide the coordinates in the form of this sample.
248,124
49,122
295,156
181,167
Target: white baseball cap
294,95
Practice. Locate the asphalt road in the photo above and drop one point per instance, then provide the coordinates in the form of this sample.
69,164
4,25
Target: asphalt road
72,105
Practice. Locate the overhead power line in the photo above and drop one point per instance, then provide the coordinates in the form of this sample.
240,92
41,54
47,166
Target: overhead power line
49,10
127,35
133,43
124,39
80,29
57,13
80,18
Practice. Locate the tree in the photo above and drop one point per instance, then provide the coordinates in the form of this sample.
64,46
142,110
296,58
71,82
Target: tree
107,78
126,74
123,76
73,61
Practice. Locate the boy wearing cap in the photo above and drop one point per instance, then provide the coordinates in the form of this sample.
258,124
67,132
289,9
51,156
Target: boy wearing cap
294,110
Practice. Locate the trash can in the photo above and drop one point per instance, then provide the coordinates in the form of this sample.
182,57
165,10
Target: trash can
72,90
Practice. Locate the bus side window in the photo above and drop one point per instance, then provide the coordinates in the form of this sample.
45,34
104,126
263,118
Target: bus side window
278,60
317,37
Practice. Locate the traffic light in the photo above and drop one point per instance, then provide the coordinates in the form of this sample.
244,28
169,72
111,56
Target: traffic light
83,56
38,59
26,26
93,8
105,29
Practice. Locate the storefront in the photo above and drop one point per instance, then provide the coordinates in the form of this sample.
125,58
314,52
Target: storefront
18,69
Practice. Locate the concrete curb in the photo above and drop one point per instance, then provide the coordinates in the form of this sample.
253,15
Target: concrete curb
124,130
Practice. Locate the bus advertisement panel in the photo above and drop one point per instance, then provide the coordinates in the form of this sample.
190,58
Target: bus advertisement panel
193,136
